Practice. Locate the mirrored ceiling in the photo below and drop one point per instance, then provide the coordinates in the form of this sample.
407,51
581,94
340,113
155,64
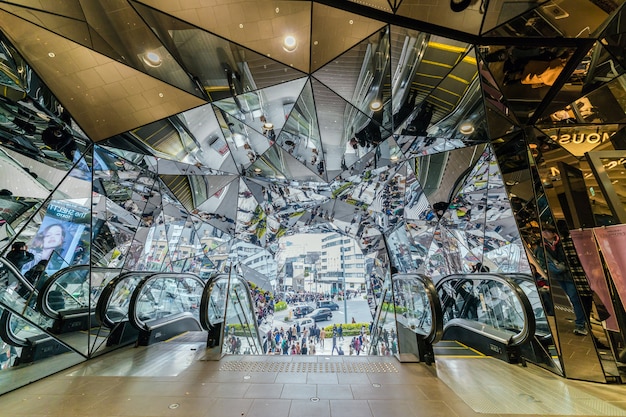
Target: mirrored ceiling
272,117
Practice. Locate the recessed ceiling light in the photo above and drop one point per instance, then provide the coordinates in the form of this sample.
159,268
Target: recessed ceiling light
466,128
152,59
51,54
376,105
290,43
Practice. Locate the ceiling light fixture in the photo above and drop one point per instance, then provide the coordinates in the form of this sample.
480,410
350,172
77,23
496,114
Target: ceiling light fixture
466,128
376,105
459,5
290,43
152,59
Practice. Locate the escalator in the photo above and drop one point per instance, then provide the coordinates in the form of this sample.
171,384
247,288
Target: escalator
65,298
27,343
165,305
227,312
112,307
68,299
408,320
490,314
20,323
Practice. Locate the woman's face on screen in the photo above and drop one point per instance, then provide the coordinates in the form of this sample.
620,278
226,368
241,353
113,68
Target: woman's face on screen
53,237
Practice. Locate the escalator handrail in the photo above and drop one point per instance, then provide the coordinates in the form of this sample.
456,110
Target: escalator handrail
206,301
42,297
528,331
133,317
436,330
102,305
6,333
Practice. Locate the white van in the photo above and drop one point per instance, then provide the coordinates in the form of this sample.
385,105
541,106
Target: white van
305,323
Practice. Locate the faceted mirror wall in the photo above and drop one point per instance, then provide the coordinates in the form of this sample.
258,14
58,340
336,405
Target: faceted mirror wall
147,137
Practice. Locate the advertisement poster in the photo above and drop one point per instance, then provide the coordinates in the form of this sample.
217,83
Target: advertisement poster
63,237
612,242
587,250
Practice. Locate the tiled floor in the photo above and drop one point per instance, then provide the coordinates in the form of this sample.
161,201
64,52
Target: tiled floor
172,379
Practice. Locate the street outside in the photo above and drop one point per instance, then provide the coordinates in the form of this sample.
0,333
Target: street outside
357,308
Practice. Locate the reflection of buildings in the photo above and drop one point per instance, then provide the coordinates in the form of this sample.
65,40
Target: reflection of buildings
342,263
301,272
255,258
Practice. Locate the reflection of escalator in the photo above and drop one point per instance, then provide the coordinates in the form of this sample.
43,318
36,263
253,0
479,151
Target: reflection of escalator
489,313
227,312
65,298
27,343
164,305
112,307
408,320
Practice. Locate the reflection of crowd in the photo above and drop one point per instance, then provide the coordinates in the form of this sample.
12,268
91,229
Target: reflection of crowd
384,342
263,304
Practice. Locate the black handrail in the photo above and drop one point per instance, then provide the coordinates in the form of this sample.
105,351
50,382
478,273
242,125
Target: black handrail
528,330
436,330
42,297
6,332
104,300
133,315
206,303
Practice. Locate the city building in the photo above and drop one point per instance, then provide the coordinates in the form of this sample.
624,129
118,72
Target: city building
342,265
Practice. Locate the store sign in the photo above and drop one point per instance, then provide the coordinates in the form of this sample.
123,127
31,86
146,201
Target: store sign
594,138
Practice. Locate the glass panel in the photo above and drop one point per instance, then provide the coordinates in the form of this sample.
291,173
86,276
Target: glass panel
28,352
414,314
384,340
241,333
563,18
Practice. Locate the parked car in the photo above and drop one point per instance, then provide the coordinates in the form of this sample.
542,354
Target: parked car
321,314
301,310
328,304
305,323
